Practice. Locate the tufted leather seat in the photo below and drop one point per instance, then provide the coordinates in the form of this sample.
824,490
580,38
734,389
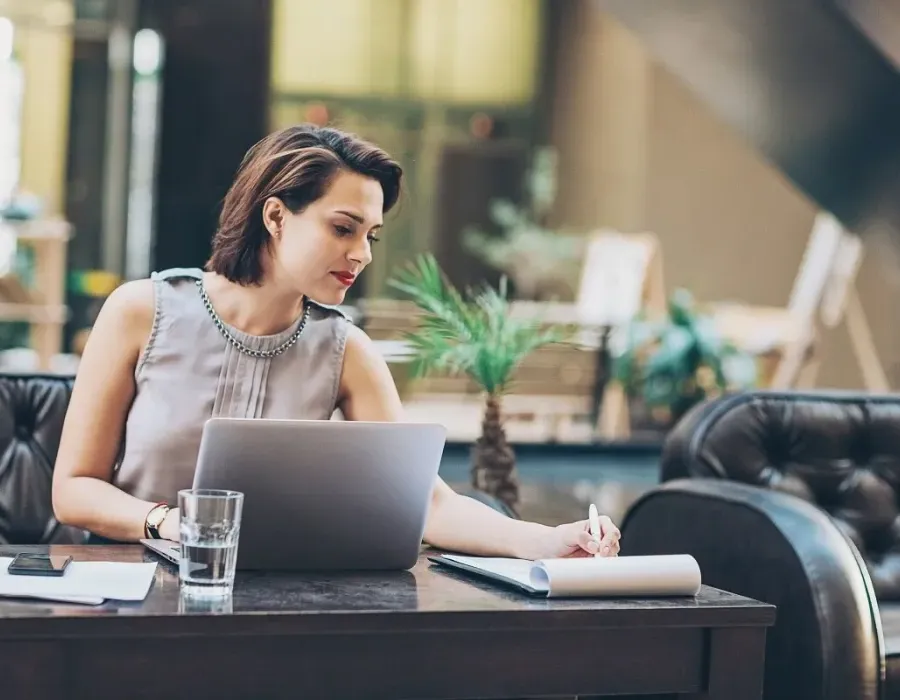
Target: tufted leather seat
843,454
32,410
792,498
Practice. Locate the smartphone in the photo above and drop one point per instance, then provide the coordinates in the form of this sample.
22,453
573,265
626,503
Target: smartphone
39,565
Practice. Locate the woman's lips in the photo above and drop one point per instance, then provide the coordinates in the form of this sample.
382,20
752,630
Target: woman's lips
345,278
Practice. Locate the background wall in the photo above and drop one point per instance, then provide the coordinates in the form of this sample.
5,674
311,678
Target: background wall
732,227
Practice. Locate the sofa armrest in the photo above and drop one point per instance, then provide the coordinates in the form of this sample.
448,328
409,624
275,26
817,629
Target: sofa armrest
826,643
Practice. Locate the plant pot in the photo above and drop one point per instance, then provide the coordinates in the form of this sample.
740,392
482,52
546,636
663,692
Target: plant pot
646,424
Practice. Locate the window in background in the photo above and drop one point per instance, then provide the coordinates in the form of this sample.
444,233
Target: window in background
471,52
11,86
146,89
343,48
42,49
415,76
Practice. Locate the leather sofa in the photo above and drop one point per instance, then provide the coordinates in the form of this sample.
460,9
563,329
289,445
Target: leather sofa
32,410
792,498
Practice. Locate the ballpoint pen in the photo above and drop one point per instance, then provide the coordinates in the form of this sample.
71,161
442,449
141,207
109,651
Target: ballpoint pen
594,521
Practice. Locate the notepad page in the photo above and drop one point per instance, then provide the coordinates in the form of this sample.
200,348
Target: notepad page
647,576
57,598
83,581
655,575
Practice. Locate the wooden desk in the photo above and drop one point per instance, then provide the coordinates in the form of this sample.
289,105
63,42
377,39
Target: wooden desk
426,633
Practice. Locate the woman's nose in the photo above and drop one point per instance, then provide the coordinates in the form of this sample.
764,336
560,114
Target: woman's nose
361,253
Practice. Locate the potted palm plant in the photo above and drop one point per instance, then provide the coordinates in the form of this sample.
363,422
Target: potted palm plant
476,335
669,365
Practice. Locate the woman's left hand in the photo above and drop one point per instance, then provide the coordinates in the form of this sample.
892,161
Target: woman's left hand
575,540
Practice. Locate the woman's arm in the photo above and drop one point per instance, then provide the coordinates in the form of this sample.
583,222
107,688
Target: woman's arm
456,522
101,398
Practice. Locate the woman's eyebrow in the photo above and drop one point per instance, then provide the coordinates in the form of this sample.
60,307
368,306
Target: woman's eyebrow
356,217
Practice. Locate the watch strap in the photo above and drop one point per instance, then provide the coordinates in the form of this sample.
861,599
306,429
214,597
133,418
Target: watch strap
154,519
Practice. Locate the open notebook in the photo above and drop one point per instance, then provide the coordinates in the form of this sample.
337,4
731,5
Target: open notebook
634,576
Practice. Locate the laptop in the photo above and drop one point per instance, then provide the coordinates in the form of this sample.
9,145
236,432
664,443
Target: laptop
322,495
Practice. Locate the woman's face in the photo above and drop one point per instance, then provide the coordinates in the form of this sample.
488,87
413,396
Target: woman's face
322,249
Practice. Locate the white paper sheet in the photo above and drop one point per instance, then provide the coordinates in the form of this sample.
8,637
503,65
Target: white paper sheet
85,582
645,576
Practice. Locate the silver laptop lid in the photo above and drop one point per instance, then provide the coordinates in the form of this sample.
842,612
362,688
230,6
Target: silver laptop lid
324,495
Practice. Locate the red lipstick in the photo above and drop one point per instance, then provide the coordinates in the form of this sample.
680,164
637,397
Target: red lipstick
345,278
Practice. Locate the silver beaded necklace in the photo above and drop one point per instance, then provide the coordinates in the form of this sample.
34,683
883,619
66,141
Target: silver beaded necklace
223,329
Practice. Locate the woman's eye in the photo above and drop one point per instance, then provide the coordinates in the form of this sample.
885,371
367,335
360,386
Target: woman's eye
343,230
373,238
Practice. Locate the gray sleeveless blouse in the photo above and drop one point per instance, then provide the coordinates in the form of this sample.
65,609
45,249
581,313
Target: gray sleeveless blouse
190,372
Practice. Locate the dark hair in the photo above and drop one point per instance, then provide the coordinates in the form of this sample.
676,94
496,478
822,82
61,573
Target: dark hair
296,165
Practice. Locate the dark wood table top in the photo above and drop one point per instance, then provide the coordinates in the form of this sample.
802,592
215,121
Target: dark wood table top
429,633
427,597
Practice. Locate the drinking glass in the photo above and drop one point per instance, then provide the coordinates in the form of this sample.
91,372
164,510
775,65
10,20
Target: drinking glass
189,604
210,528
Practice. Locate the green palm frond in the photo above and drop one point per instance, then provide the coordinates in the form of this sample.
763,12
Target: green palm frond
444,307
473,334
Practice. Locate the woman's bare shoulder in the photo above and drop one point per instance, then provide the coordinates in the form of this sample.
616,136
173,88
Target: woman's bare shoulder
367,387
128,312
133,300
360,348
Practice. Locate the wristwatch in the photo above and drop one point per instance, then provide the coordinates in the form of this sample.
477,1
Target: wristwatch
154,519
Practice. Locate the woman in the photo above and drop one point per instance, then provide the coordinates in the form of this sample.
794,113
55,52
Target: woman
244,338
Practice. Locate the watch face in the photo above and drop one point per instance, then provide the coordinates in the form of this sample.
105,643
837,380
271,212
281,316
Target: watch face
157,516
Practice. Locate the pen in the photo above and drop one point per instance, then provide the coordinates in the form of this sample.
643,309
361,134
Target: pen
594,521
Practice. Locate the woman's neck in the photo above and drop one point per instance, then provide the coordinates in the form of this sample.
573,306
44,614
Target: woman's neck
265,309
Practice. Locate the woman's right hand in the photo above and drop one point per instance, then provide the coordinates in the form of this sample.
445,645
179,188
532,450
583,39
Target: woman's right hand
169,529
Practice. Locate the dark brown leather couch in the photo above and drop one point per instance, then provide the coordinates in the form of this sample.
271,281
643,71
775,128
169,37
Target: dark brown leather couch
792,498
32,410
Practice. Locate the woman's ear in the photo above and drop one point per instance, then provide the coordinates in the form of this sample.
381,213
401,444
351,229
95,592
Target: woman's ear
273,215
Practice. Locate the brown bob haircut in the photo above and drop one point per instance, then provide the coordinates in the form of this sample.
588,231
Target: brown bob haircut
296,165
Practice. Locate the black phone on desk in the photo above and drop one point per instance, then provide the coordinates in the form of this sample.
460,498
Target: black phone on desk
39,564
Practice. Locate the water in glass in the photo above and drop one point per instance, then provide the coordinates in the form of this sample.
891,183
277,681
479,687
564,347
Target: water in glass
210,529
189,604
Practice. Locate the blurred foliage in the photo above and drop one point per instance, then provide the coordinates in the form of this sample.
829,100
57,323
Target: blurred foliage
541,262
14,334
17,334
473,334
673,363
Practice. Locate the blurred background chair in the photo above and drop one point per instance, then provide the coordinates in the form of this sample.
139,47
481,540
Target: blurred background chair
32,410
791,498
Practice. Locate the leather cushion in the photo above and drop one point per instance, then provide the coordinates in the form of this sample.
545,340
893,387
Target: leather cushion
839,451
890,620
32,411
783,551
